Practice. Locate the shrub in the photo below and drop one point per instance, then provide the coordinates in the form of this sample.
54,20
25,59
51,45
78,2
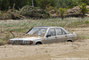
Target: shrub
4,16
62,11
87,22
83,9
14,14
33,12
10,14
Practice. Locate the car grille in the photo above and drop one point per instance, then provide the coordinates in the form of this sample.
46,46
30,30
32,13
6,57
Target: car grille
18,42
26,42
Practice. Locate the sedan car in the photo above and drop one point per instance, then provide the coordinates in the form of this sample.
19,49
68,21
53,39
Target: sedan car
44,35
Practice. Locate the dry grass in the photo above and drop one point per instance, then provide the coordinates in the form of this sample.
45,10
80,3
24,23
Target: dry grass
20,27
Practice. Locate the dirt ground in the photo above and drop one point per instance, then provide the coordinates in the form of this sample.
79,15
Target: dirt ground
45,52
55,51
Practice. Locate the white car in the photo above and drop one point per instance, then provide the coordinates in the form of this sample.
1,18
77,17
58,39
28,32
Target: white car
44,35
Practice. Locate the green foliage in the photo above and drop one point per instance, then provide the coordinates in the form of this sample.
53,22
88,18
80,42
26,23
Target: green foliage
62,11
83,9
4,4
49,8
47,5
86,21
67,3
17,4
44,3
85,1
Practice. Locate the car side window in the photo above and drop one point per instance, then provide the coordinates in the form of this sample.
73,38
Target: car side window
63,32
52,32
59,31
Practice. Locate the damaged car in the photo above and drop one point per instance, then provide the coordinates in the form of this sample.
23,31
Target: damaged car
45,35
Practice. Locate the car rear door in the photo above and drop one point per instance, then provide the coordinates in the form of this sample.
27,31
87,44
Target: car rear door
52,37
60,35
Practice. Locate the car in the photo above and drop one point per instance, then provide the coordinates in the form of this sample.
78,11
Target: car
45,35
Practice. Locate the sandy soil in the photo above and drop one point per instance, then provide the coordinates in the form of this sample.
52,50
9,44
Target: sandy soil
46,52
56,51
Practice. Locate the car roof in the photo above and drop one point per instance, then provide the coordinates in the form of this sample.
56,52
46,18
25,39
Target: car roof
47,27
51,27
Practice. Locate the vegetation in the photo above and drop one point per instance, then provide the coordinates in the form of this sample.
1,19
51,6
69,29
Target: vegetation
6,4
33,12
43,5
83,9
62,11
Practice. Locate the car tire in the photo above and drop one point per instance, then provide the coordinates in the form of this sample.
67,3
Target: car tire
69,41
38,43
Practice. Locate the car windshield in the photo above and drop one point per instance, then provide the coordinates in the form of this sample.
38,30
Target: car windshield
37,32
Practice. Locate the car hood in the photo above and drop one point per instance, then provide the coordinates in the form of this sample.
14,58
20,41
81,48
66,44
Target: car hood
30,38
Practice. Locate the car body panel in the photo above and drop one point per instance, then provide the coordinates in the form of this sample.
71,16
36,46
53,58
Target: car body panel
49,40
61,38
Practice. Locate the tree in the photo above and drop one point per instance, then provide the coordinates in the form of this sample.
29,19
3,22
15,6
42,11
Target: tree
83,9
18,3
44,3
62,11
67,3
4,4
85,1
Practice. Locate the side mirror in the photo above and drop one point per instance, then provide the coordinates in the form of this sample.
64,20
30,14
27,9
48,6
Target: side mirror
48,36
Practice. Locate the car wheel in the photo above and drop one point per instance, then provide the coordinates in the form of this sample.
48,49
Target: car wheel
38,43
69,41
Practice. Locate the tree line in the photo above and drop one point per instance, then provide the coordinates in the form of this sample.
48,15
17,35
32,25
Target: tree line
17,4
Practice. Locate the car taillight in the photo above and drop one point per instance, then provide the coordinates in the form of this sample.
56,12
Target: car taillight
31,42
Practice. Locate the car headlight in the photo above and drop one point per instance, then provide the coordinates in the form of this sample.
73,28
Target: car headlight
8,42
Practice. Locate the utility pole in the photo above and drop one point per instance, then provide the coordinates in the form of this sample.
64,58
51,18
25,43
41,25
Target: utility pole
32,3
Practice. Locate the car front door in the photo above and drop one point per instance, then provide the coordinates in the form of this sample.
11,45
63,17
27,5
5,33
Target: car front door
60,35
51,36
